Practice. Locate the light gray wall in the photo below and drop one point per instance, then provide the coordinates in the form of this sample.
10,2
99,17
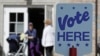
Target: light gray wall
1,23
38,2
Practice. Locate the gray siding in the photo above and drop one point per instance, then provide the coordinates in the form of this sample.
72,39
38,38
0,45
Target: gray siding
1,23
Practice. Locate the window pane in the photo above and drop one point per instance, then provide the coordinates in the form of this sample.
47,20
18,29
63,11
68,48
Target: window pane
49,11
20,27
12,17
20,17
12,27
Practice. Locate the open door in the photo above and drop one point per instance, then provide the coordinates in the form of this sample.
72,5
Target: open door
15,22
36,16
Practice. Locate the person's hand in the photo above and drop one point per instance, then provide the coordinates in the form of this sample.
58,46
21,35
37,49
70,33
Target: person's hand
30,37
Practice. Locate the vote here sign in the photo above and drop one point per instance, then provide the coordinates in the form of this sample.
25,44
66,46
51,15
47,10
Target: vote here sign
73,28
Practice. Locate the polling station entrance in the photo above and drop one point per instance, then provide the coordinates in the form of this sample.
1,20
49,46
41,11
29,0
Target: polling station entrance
16,21
17,18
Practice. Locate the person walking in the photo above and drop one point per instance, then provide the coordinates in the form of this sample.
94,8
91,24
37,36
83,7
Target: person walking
33,47
48,37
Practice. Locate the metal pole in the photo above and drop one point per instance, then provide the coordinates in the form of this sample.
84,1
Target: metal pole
96,24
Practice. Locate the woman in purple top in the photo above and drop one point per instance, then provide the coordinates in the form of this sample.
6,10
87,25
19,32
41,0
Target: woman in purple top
33,47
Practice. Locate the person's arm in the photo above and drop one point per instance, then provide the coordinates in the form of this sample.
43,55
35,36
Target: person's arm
44,37
34,34
29,37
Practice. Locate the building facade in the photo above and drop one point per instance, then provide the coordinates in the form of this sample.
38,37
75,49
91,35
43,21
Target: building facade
11,10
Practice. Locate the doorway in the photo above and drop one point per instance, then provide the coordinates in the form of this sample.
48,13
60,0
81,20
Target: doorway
16,21
36,16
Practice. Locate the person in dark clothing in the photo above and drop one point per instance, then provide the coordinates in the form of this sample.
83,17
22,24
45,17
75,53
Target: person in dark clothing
33,47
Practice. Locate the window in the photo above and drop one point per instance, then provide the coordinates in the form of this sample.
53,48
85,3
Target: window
20,27
16,23
20,17
12,17
12,27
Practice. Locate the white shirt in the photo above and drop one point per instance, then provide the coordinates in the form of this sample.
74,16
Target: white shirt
48,36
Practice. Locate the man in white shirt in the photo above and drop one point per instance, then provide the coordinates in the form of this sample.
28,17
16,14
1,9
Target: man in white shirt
48,37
